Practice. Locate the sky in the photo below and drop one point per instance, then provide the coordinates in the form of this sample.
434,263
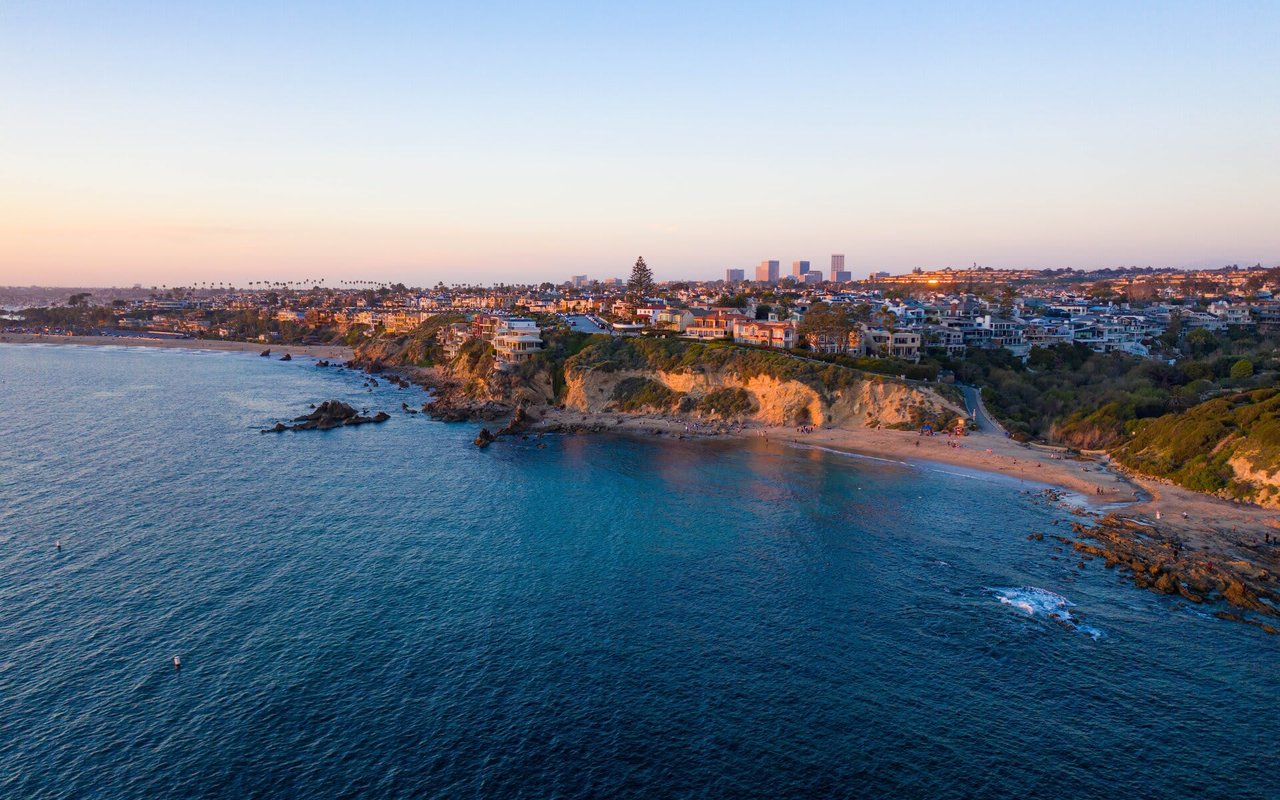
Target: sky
176,143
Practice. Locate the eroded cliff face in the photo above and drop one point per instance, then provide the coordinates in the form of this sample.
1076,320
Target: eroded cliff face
872,402
1245,465
480,383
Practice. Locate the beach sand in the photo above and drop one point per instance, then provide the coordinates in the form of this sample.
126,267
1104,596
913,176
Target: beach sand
331,352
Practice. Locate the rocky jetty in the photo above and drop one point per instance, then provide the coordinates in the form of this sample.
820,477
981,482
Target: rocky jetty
329,414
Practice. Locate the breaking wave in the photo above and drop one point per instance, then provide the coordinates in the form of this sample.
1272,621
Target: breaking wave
1044,604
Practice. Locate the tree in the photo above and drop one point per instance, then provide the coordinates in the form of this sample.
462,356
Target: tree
640,284
79,299
827,327
1242,369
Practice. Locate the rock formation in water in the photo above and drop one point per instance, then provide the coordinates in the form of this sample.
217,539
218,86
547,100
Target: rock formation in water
329,414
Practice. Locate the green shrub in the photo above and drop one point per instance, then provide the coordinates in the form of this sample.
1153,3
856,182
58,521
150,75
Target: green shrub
726,403
636,394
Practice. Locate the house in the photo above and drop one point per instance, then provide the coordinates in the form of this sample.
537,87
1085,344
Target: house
883,342
948,339
717,325
673,319
452,337
765,333
515,341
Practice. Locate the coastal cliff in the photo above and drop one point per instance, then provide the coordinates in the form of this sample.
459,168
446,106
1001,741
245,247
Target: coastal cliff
1227,446
725,394
684,380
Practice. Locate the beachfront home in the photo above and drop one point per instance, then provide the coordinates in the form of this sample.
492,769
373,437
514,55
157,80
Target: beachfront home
516,341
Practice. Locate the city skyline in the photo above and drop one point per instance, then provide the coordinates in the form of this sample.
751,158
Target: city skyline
417,144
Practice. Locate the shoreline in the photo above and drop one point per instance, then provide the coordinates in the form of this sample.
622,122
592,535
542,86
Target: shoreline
321,351
1100,502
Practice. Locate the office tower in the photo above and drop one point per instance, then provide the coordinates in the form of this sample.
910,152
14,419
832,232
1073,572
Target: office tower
735,275
837,264
812,276
767,272
578,281
799,268
843,276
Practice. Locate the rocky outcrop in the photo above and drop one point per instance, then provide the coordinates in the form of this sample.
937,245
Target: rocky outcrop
286,357
328,415
1158,561
484,438
265,353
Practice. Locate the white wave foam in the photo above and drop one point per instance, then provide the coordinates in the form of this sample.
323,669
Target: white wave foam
1036,602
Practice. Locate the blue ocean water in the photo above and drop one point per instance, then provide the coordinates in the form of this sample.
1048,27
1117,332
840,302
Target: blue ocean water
387,611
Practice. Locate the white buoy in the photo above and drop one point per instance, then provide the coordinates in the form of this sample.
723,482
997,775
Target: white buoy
177,663
58,544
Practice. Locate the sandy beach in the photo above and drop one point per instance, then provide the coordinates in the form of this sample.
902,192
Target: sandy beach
315,351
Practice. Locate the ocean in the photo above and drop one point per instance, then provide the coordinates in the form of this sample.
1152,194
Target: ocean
387,611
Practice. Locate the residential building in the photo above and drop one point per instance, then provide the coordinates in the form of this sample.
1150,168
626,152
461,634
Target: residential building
452,337
673,319
883,342
766,333
517,340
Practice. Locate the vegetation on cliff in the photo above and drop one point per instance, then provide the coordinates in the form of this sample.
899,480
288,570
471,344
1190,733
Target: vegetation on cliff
1070,395
419,348
1227,445
644,394
727,403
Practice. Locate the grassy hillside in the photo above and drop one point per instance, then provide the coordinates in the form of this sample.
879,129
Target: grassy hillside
1228,445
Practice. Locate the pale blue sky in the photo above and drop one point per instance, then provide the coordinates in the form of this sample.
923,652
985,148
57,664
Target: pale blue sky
166,143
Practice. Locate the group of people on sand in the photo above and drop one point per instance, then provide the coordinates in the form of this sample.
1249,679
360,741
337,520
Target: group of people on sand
804,429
